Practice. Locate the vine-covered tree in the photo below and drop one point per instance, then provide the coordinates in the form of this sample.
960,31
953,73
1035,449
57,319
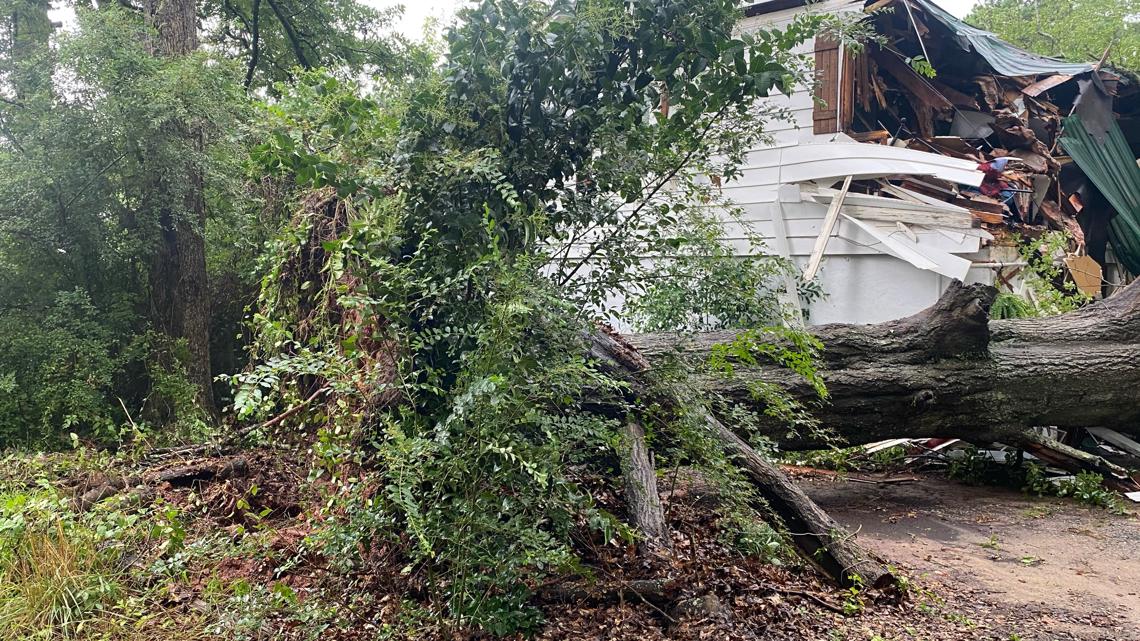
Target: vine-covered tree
125,245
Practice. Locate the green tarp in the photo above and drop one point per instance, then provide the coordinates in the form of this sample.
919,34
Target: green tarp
1005,58
1112,168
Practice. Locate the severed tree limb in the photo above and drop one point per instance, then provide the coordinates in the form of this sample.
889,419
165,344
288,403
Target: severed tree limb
641,496
818,537
821,539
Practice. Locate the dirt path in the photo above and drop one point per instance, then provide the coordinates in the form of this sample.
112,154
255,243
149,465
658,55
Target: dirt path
1012,567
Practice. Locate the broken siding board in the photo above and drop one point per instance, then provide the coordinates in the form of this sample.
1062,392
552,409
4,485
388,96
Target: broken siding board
888,210
1115,438
933,206
900,245
803,163
825,231
802,233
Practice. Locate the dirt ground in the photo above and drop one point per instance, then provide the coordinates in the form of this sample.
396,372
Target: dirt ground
1013,567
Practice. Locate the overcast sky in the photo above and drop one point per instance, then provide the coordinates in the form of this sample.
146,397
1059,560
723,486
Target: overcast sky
416,11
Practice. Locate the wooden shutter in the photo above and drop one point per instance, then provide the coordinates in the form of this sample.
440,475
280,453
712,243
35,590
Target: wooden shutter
835,88
826,114
847,91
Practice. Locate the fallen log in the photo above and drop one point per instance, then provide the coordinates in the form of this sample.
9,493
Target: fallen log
824,542
180,476
642,499
950,372
819,538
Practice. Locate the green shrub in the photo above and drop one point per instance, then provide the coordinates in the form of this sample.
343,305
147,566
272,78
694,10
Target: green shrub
1088,488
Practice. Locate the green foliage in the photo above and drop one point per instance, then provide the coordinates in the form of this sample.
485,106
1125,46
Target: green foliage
751,536
921,65
791,348
81,218
1078,30
977,468
1088,488
1010,305
275,37
445,245
52,585
702,286
429,256
1047,289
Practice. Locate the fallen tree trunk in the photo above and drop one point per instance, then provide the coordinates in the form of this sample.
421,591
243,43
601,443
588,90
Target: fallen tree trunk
951,372
819,538
947,371
641,496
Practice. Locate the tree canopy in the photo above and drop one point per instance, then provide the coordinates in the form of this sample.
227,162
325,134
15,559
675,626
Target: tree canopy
392,254
1079,30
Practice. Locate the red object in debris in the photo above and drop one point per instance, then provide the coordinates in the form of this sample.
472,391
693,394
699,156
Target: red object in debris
992,184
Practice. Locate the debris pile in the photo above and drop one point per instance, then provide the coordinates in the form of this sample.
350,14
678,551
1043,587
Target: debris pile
1102,450
935,84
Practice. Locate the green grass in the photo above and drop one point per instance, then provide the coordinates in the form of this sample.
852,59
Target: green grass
54,584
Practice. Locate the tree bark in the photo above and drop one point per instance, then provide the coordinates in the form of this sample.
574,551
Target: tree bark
819,538
951,372
181,303
641,497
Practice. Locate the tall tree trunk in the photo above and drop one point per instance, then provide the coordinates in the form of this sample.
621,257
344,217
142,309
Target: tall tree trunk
178,280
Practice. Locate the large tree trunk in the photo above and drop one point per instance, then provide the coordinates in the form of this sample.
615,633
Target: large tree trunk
180,294
951,372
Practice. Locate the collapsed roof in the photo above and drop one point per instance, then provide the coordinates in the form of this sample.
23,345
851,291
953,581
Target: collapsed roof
936,84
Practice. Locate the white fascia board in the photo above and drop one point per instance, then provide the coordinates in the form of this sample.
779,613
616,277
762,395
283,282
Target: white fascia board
836,160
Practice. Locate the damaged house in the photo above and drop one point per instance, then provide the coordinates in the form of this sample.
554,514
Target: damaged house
929,155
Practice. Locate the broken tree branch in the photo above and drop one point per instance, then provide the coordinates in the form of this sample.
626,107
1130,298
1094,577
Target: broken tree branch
641,496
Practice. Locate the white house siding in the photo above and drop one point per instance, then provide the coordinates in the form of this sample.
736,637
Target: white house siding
862,284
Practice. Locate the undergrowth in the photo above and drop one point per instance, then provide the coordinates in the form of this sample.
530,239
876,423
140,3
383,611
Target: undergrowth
975,467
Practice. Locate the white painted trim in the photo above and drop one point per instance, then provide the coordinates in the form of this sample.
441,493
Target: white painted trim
825,231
